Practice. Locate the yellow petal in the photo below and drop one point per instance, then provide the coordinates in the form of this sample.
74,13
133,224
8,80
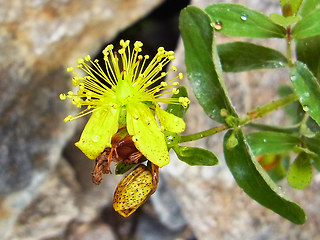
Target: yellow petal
147,135
97,134
132,191
169,121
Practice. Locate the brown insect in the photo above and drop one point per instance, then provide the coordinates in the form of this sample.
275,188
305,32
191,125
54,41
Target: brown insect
122,150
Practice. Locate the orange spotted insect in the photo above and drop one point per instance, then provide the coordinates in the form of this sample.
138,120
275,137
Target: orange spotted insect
134,189
122,150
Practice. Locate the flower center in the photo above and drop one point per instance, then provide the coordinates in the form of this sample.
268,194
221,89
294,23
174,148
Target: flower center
124,92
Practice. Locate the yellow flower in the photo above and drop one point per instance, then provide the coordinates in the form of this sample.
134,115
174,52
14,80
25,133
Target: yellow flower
122,93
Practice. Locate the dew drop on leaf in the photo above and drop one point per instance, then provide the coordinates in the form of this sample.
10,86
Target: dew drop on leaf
293,77
244,17
218,25
305,108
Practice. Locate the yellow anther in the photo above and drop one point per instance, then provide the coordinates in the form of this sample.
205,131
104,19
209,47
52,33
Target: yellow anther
146,57
109,48
170,53
164,84
62,96
69,69
175,83
174,68
121,51
175,91
137,46
180,75
184,101
80,60
68,118
87,58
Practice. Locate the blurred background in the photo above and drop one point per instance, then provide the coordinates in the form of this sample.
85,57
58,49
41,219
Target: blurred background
45,181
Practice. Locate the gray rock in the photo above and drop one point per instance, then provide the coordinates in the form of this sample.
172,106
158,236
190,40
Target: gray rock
38,40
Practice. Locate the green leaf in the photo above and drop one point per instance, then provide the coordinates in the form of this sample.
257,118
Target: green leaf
284,21
271,142
307,88
202,62
280,170
308,6
196,156
239,21
308,50
177,109
293,110
255,181
309,26
313,144
300,172
244,56
122,168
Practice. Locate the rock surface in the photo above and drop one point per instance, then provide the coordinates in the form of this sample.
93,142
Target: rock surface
38,40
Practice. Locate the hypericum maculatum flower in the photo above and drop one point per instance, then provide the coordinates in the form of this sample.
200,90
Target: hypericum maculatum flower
124,92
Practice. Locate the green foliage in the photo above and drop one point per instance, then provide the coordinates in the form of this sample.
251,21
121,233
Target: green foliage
202,63
300,172
271,142
244,56
251,177
309,26
240,21
196,156
308,6
307,88
274,146
308,50
283,21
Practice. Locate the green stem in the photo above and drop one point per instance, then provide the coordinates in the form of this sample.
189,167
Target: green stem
251,116
269,107
203,134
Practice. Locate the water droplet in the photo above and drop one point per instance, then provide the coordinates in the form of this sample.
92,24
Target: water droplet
244,17
305,108
306,94
264,140
218,25
293,77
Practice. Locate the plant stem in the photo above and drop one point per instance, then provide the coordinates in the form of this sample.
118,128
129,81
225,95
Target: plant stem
289,50
251,116
269,107
203,134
